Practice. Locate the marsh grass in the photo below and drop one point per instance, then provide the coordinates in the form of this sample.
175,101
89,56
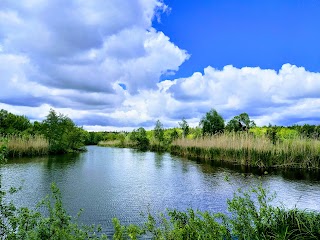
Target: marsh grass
109,143
246,149
19,146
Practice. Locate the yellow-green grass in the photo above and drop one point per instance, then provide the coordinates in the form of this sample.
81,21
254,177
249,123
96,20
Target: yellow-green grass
27,146
246,149
109,143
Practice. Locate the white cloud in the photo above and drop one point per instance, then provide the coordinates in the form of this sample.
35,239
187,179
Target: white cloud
74,54
71,55
286,97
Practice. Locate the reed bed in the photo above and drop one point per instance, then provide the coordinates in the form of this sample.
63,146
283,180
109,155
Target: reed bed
19,146
247,149
109,143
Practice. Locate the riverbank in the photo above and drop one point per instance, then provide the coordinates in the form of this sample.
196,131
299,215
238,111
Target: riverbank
244,149
19,146
248,150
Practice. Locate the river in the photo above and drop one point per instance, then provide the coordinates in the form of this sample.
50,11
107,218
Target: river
125,183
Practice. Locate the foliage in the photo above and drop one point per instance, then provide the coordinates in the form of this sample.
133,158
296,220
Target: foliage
62,134
23,223
139,137
212,123
174,134
252,217
241,122
185,127
12,124
158,132
272,134
95,137
309,131
3,149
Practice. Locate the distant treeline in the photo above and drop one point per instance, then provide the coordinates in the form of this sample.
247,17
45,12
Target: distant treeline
211,124
57,133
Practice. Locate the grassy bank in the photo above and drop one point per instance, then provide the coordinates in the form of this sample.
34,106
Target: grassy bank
18,146
247,149
153,145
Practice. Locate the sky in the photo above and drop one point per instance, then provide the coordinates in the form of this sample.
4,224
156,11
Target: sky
123,64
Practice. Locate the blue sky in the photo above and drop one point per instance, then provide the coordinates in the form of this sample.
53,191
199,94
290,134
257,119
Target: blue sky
122,64
245,33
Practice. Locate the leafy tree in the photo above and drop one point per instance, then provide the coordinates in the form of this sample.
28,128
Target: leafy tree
212,123
272,133
139,137
63,135
241,122
13,124
158,131
174,134
185,127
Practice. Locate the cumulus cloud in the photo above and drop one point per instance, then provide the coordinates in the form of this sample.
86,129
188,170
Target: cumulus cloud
289,96
75,53
284,97
72,56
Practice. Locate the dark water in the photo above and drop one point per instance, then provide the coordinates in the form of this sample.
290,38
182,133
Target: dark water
123,183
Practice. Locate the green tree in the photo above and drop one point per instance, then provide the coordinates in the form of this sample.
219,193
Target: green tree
212,123
159,132
241,122
13,124
139,137
174,134
185,127
62,133
272,133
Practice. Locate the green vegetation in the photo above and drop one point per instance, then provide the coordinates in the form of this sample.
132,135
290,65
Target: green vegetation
62,133
184,127
27,145
56,134
139,138
240,123
251,216
247,149
238,142
212,123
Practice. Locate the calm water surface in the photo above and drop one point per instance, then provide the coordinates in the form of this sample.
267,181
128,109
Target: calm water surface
123,183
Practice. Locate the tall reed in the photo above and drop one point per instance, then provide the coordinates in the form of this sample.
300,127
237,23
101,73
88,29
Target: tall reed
19,146
246,149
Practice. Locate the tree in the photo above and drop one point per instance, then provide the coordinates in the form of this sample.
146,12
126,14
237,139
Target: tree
212,123
174,135
139,137
241,122
11,123
185,127
62,133
158,131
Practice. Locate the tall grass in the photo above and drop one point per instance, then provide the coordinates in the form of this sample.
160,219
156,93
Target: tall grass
19,146
246,149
